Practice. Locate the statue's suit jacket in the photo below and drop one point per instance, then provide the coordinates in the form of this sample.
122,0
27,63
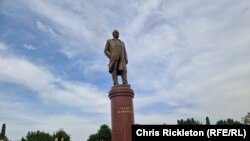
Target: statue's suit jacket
115,50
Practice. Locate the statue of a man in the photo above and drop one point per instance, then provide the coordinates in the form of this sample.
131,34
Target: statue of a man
116,52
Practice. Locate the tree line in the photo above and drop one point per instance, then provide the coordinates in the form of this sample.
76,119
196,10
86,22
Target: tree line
104,133
60,135
229,121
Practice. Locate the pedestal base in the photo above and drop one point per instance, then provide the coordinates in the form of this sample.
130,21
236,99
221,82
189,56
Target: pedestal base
122,112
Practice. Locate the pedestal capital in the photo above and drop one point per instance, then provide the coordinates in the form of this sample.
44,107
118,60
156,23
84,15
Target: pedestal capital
121,90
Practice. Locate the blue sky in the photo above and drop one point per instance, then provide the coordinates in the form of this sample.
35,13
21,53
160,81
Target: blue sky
186,59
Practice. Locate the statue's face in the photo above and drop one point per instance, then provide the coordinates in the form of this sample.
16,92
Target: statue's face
116,34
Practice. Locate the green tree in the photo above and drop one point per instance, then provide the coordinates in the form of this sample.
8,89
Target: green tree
3,130
207,121
246,119
228,121
61,135
37,136
93,137
23,139
103,134
189,121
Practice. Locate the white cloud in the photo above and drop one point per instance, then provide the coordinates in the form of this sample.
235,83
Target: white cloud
2,47
143,10
29,47
45,28
81,96
201,61
75,29
45,84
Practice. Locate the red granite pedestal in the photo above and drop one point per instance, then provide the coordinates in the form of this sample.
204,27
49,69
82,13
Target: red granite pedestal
122,112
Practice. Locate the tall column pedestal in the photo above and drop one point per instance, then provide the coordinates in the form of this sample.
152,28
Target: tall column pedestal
122,112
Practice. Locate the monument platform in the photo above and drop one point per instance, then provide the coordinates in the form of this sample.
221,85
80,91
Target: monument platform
122,112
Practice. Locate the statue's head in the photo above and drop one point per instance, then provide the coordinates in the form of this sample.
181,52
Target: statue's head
116,34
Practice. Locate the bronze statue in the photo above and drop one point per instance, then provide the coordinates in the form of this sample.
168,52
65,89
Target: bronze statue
116,52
